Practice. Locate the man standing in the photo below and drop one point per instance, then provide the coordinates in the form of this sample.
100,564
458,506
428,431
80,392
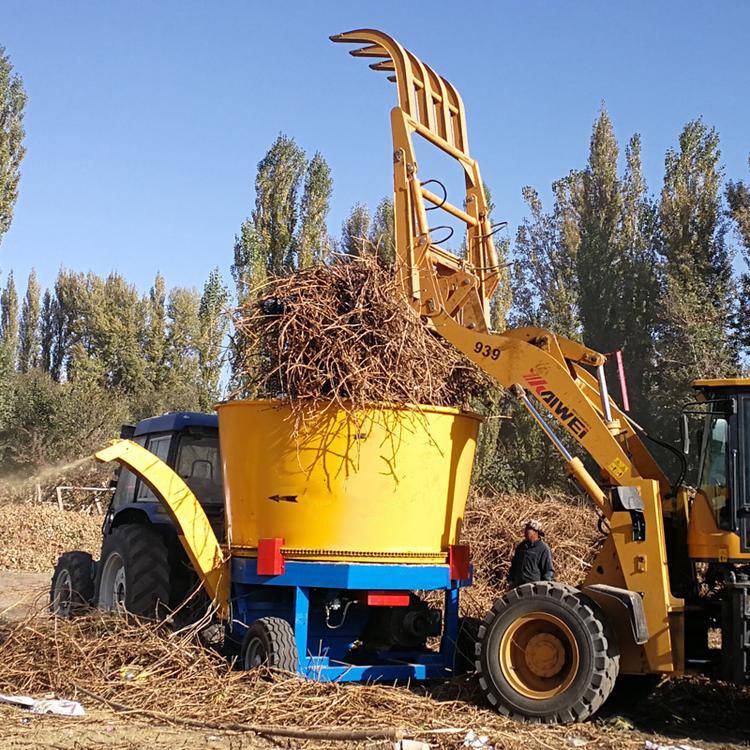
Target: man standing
532,560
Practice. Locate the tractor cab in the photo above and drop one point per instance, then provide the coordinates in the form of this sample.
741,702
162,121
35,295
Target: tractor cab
187,442
719,527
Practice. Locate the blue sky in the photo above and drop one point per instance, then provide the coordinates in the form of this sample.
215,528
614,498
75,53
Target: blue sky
146,119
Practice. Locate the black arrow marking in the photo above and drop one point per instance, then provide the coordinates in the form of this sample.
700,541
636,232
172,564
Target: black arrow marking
283,498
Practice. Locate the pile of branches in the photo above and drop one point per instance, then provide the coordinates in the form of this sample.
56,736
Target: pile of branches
344,333
138,669
493,526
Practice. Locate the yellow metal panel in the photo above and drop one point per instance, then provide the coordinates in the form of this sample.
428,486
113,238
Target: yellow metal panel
720,382
194,529
706,541
387,483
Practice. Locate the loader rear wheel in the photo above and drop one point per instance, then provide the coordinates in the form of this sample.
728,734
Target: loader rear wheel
134,572
270,642
546,654
72,589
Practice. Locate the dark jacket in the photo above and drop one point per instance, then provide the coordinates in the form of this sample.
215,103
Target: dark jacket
532,561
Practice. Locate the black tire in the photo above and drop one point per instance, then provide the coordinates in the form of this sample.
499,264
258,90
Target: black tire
72,589
466,645
270,642
574,646
133,573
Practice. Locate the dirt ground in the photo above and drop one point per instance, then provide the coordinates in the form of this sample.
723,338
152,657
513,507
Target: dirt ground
679,714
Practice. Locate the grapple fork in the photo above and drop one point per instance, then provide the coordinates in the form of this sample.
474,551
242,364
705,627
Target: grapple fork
430,107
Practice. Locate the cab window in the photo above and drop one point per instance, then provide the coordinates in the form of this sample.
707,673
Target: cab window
126,482
199,465
159,446
713,481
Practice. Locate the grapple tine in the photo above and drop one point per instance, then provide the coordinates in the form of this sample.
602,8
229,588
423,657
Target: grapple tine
383,65
373,50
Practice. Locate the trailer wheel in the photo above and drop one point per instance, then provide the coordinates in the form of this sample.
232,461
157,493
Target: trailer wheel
270,642
546,654
466,645
134,572
72,588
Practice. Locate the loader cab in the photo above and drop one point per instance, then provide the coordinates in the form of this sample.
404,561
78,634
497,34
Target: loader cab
188,442
719,527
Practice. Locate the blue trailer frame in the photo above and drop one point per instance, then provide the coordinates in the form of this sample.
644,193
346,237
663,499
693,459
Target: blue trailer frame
323,648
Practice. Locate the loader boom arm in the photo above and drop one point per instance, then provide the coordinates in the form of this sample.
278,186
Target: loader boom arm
559,381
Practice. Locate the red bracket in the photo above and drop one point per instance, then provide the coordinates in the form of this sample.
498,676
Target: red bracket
459,560
270,557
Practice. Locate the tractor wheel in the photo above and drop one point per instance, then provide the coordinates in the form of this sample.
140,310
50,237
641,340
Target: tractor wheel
134,572
270,642
466,645
72,589
546,654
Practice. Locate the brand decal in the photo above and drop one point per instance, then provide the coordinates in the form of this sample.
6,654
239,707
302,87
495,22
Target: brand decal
564,413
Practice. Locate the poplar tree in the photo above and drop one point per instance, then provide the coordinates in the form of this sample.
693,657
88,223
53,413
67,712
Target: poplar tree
155,331
312,243
544,280
12,103
599,267
697,307
183,335
383,232
8,325
276,212
355,231
46,332
738,201
637,309
28,344
213,323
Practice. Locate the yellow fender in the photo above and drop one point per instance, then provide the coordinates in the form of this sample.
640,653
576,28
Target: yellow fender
194,530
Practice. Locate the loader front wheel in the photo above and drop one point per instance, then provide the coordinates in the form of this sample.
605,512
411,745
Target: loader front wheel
72,589
133,574
269,642
546,654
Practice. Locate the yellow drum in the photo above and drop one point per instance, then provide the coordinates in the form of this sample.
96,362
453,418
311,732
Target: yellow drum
385,484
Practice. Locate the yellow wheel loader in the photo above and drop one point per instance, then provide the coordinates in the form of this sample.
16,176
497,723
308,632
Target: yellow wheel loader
674,566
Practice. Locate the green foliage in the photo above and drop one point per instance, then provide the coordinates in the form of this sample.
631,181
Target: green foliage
154,335
8,325
213,322
599,268
49,422
545,285
355,231
12,103
383,232
312,245
738,201
28,327
697,301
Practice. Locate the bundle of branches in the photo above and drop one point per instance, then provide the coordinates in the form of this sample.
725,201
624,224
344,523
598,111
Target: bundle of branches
344,333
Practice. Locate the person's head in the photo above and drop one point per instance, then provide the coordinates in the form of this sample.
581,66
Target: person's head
532,531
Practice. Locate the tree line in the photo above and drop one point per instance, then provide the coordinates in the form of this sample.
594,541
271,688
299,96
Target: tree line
659,273
96,339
